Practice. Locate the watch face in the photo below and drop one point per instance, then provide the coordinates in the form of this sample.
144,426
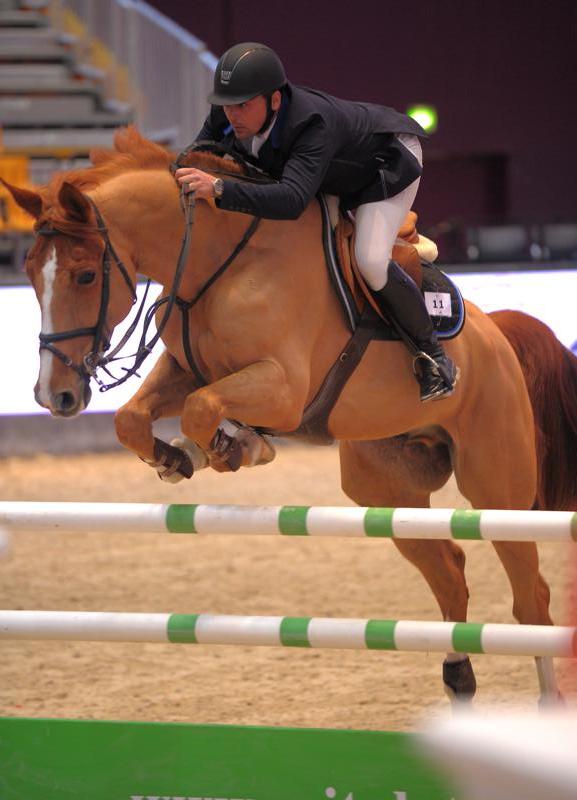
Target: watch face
218,187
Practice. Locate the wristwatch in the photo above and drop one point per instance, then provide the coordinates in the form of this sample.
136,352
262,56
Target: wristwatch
218,187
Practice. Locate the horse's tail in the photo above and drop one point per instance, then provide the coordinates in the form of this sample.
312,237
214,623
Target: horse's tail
550,371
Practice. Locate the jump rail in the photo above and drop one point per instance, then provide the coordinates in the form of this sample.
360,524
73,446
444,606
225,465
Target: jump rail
313,632
393,523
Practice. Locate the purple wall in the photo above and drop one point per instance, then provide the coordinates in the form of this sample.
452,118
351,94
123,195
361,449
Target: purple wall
502,74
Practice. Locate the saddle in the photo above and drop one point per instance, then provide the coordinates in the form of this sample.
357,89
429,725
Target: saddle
412,251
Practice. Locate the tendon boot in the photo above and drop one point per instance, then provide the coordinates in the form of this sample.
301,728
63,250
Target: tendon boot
402,302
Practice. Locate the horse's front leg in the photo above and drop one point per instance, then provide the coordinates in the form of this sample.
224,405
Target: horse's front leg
162,394
258,395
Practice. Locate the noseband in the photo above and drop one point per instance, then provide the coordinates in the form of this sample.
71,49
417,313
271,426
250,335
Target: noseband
99,332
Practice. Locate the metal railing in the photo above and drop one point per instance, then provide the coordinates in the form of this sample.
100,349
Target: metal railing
152,63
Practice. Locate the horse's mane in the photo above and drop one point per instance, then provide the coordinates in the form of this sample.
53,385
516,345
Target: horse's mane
131,152
211,163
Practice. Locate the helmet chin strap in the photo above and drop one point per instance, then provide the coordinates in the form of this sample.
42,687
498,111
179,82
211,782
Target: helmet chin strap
270,112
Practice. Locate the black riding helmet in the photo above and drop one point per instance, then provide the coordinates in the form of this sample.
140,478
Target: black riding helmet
245,71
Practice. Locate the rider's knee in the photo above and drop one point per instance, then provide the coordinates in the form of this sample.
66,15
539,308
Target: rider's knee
373,262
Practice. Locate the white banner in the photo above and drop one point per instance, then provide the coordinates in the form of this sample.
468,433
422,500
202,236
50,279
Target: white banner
548,295
19,329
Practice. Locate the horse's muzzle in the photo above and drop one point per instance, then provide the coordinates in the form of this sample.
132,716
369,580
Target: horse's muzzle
68,402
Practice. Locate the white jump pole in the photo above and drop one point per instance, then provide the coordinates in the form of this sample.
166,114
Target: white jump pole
355,521
313,632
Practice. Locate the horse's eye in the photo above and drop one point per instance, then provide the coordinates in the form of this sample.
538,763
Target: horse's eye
85,277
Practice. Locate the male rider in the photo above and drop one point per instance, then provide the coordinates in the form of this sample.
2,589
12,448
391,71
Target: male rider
369,156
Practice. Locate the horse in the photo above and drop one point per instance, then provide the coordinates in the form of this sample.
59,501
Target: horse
255,345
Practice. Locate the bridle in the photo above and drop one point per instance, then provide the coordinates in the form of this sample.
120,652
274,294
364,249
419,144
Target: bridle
96,359
99,332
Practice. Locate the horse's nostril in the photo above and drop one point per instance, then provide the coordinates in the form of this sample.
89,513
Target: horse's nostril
65,401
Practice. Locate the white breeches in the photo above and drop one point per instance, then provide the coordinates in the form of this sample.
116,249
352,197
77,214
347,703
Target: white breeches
377,225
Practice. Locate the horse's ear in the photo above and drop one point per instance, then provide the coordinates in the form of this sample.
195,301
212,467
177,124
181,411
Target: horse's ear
74,203
30,201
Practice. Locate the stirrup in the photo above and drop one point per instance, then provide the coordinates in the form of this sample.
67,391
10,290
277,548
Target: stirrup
441,381
420,355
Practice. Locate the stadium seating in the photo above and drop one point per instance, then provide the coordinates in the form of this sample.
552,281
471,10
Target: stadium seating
559,241
494,243
54,107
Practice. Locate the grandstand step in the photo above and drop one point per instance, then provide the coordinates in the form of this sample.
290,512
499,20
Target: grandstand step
34,5
48,110
17,18
63,142
41,169
46,84
28,6
35,44
99,119
87,71
47,51
33,37
34,71
40,73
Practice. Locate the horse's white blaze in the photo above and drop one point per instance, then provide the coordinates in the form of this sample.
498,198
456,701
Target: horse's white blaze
48,275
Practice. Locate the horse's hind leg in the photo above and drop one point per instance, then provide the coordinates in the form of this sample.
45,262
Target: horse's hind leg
403,472
510,483
531,597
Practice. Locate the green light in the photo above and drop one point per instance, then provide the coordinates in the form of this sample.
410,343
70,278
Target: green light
425,115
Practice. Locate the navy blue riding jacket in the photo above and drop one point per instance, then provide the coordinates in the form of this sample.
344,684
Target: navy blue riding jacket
320,143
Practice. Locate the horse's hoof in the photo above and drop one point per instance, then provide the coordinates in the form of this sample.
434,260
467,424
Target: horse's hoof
459,680
227,450
171,463
267,452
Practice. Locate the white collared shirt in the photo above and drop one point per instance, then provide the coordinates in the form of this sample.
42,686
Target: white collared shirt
260,138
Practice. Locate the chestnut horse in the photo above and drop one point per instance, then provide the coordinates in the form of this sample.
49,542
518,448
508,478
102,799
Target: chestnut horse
264,336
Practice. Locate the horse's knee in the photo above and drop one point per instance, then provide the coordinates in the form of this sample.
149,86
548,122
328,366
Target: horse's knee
133,428
201,416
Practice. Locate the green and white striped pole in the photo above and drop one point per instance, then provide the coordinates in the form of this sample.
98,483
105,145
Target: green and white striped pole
342,521
308,632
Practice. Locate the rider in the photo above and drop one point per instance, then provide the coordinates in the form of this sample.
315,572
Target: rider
368,155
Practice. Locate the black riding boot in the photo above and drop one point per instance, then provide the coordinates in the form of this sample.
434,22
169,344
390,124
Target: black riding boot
402,301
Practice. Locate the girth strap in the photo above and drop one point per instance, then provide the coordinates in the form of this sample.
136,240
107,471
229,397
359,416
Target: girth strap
314,423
